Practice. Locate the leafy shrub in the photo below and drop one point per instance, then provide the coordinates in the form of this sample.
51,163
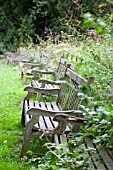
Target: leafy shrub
99,126
57,158
22,21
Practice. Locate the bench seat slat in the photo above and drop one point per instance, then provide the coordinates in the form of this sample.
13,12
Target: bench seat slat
41,120
35,84
49,107
47,120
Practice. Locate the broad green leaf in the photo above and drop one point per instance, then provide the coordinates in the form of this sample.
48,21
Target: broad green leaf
102,5
97,140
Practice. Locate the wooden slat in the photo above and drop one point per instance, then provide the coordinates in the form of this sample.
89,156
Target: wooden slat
55,106
63,140
41,120
46,119
26,107
91,166
56,86
31,104
34,83
56,140
38,85
48,86
75,77
108,163
49,107
95,156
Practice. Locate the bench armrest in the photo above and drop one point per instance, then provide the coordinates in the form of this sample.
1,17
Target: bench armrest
31,65
63,118
37,111
58,82
42,72
31,90
21,63
69,118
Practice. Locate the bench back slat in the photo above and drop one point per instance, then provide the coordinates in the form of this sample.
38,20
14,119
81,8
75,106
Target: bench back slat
68,97
62,67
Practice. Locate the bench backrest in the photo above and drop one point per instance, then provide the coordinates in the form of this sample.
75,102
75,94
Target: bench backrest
42,57
62,68
46,58
68,97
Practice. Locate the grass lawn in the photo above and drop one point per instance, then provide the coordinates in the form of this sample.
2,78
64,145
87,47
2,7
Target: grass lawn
11,130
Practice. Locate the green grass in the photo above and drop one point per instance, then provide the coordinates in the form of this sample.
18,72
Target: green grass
11,130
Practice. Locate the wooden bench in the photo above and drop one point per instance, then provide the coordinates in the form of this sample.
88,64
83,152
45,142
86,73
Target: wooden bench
15,57
57,119
53,116
56,75
11,57
26,67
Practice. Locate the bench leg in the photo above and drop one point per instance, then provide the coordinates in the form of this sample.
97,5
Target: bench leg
23,109
27,136
21,74
24,76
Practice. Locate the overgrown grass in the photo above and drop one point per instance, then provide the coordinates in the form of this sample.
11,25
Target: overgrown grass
11,130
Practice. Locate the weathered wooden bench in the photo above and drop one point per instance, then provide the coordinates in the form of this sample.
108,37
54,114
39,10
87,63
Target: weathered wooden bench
15,57
57,76
57,119
11,57
26,67
53,117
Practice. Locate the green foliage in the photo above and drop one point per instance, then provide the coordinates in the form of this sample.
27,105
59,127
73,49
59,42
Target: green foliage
26,30
21,21
96,59
16,25
99,126
57,158
97,24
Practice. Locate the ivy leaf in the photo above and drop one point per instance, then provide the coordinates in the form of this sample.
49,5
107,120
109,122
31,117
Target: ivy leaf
102,5
103,121
97,140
